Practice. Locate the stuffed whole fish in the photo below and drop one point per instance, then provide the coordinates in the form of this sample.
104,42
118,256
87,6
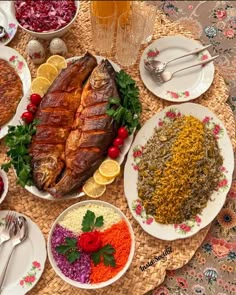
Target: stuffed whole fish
56,116
93,131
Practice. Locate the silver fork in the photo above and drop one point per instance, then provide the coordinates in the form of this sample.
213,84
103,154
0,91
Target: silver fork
19,234
9,222
166,76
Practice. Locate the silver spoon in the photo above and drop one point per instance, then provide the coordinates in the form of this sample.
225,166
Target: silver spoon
2,32
157,66
166,76
20,234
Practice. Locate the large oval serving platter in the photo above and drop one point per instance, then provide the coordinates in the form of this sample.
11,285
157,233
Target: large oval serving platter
20,65
45,195
189,227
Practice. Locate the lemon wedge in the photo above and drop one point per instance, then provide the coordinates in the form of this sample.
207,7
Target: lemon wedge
109,168
47,71
40,86
92,189
99,179
57,61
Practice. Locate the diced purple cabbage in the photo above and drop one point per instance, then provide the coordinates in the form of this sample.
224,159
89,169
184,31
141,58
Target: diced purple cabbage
79,270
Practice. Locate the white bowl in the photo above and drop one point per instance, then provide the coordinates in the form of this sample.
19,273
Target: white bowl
98,285
5,181
49,35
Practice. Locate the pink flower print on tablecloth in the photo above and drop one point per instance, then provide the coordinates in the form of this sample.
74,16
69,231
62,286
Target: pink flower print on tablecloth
230,34
221,14
182,283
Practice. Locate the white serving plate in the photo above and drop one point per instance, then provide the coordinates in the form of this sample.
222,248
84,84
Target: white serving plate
28,260
102,284
45,195
147,222
21,67
8,21
185,85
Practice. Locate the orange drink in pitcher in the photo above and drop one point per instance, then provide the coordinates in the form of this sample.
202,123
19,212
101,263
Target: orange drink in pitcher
106,8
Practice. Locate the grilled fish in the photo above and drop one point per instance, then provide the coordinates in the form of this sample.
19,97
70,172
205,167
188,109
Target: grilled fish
11,91
93,130
56,116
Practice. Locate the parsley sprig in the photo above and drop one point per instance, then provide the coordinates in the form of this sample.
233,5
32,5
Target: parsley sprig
107,253
90,221
17,140
125,110
69,249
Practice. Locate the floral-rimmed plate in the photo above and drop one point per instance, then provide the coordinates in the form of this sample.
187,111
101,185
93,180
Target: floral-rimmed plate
45,195
27,263
185,85
190,227
18,62
8,21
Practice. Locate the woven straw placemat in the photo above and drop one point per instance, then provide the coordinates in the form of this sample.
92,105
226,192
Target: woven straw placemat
135,281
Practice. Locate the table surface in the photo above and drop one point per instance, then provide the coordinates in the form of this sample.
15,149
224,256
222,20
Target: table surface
212,269
212,265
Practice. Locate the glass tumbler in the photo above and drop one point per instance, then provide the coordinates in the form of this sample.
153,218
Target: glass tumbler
130,30
148,9
103,23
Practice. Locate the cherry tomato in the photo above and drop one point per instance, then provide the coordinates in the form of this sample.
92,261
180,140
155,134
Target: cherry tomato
123,133
118,141
35,98
31,108
113,152
27,117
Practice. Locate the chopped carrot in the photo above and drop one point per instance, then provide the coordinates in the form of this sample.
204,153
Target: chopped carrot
118,236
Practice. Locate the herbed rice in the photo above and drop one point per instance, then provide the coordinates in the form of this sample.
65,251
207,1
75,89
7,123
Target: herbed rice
179,170
73,219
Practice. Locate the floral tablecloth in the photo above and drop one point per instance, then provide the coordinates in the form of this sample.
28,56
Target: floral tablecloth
212,269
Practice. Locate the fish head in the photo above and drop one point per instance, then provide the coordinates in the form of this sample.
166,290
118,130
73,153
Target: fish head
45,171
101,75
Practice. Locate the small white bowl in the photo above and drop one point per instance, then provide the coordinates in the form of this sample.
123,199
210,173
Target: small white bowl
53,34
98,285
5,181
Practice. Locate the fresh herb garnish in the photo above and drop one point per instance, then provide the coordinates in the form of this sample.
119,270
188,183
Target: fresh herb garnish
18,140
89,242
107,253
127,109
69,249
90,221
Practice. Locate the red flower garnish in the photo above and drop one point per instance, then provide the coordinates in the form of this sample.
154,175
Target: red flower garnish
90,241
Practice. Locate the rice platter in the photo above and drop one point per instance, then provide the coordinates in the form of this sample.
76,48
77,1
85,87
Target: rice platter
179,170
91,244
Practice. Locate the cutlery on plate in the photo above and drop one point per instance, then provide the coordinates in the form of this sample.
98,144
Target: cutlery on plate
166,76
2,32
5,234
157,66
20,234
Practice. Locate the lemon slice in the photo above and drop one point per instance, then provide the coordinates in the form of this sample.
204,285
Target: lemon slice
58,61
47,71
109,168
99,179
40,85
92,189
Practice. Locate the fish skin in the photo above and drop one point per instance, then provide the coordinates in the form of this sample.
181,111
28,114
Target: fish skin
56,116
94,131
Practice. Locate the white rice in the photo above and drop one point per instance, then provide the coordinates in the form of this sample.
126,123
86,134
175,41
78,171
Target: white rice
73,219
